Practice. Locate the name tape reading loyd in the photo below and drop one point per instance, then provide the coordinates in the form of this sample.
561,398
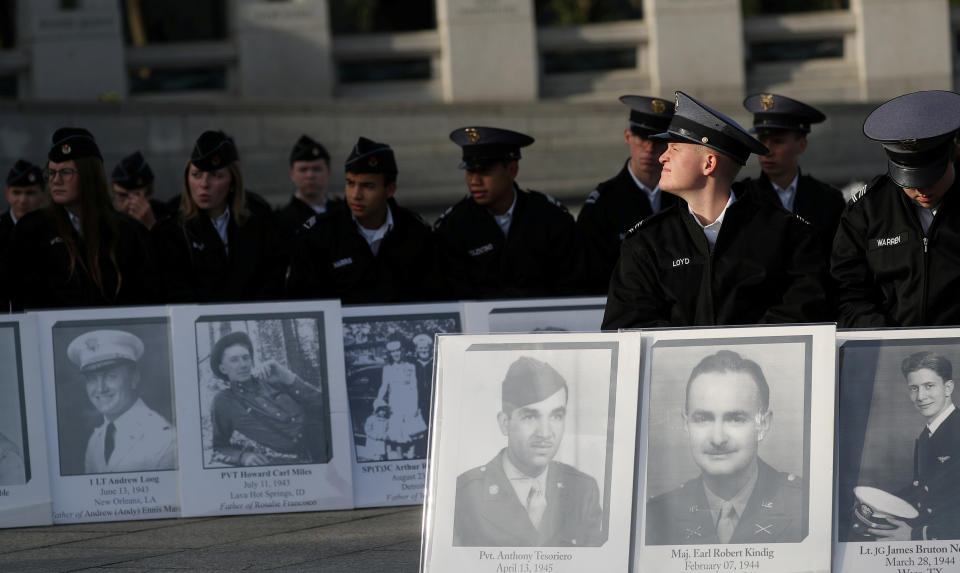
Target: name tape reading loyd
915,557
267,489
713,558
526,561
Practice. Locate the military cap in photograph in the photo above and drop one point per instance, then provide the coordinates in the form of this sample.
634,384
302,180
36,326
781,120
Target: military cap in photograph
232,339
133,172
917,132
99,349
772,112
483,146
529,381
694,122
24,174
72,143
213,150
308,149
648,115
371,157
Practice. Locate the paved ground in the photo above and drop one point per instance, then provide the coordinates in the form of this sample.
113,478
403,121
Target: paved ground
367,540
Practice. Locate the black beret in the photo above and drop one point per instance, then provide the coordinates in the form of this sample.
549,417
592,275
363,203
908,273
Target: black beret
24,174
213,150
772,112
528,381
485,145
232,339
648,115
307,149
371,157
133,172
72,143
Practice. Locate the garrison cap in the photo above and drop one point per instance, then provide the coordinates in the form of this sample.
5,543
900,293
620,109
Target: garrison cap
308,149
133,172
102,348
772,112
528,381
72,143
213,150
694,122
371,157
917,132
648,115
483,146
226,341
24,174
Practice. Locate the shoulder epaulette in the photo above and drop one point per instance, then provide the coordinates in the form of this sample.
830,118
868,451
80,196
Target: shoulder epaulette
549,199
442,215
863,191
309,223
801,219
592,197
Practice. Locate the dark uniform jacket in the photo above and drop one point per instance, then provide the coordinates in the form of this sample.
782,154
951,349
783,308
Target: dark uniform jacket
774,513
292,217
38,266
6,230
196,267
765,268
936,477
612,209
333,260
887,272
488,513
818,203
540,257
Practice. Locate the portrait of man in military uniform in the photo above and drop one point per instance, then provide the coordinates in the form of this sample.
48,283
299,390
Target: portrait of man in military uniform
738,496
523,497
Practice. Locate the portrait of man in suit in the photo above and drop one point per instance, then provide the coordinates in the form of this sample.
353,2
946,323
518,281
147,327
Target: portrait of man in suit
523,497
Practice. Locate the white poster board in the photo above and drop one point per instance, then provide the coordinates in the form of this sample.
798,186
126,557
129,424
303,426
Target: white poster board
110,368
735,469
262,407
389,357
579,314
532,453
25,497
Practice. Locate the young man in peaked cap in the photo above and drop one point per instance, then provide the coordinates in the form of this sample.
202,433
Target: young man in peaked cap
501,241
132,181
718,256
617,204
782,125
309,172
895,254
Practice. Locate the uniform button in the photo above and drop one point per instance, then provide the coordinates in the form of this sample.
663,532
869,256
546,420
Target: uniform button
925,488
494,489
791,477
929,510
915,483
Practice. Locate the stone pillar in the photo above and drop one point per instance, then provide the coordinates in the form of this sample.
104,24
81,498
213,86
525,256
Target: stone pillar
75,53
283,49
489,50
903,47
696,46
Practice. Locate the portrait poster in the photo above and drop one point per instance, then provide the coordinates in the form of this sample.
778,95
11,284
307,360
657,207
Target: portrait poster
736,450
897,499
112,425
25,497
388,355
532,453
578,314
262,407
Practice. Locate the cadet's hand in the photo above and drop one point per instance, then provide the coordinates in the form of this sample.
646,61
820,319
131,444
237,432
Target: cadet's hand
139,208
900,533
253,459
272,371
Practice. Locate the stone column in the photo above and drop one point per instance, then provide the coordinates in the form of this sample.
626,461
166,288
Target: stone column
489,50
696,46
283,49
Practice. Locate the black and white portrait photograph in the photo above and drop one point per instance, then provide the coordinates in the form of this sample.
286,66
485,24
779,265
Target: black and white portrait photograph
535,315
532,458
114,395
14,448
263,393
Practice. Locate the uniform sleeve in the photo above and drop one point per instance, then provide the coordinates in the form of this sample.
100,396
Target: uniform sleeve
310,272
568,253
805,296
174,260
635,298
452,262
858,296
140,280
592,516
596,248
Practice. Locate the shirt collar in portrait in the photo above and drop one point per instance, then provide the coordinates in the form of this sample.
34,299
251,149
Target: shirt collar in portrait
126,422
520,481
932,426
507,218
787,194
739,501
925,215
652,194
375,236
75,221
713,229
220,224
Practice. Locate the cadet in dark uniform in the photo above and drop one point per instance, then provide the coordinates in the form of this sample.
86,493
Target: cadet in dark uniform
223,244
309,172
738,498
501,241
522,498
372,251
782,125
269,405
78,251
895,257
680,268
132,181
24,193
617,204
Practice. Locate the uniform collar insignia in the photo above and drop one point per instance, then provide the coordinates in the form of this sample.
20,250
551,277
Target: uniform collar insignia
763,528
767,504
697,532
943,459
694,508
